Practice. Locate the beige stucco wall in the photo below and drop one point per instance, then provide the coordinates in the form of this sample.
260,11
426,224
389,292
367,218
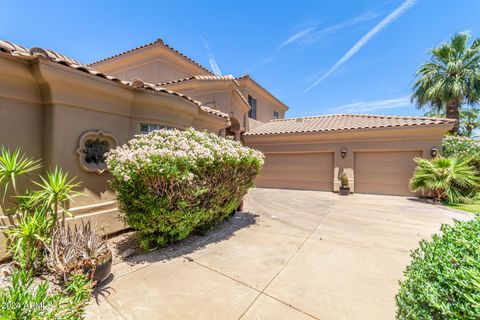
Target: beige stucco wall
222,97
21,121
45,108
399,139
265,105
153,64
156,64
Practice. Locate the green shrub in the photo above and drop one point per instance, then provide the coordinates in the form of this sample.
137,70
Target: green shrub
170,183
24,300
457,146
446,178
464,147
443,279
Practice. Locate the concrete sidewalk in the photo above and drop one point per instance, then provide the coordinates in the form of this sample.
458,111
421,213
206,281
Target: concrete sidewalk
292,255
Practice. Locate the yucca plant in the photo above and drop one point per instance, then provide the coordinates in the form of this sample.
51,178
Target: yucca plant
28,237
55,190
444,177
12,165
32,216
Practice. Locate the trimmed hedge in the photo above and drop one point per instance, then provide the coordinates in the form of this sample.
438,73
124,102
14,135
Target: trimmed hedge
170,183
443,279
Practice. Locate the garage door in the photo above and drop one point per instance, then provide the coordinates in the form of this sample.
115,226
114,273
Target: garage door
309,171
386,172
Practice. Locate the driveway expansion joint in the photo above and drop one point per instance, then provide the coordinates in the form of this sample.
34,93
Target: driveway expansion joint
329,211
326,279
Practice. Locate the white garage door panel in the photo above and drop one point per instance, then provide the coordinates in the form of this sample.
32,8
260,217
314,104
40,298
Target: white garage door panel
309,171
386,172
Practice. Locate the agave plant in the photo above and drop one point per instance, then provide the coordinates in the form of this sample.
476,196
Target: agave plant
76,249
64,251
444,177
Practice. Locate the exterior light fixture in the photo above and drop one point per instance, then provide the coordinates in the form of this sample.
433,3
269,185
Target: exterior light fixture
344,153
434,152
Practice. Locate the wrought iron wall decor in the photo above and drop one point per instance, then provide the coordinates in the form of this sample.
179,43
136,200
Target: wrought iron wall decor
92,147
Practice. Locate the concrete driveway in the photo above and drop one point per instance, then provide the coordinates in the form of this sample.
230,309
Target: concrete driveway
306,255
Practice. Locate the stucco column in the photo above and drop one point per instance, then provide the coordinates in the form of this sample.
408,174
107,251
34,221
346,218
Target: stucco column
343,164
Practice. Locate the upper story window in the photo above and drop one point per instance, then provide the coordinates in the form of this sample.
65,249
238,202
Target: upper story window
275,114
149,127
253,107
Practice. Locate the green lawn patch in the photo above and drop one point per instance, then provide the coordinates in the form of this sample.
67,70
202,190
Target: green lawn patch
468,207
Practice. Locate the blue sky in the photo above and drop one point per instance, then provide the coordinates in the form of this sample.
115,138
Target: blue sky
319,57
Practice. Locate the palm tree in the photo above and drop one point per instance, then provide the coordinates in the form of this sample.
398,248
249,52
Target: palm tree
446,178
451,78
469,121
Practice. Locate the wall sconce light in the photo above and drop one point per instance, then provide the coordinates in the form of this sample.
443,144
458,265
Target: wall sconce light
344,153
434,152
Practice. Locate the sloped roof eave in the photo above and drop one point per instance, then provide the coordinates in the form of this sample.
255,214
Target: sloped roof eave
18,51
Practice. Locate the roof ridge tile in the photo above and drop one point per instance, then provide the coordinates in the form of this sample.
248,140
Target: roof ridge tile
227,77
159,41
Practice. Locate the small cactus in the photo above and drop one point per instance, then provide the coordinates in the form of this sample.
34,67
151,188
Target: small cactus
344,180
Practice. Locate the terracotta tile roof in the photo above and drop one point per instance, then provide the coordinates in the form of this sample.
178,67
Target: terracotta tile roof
156,42
247,77
208,78
252,123
17,50
342,122
201,78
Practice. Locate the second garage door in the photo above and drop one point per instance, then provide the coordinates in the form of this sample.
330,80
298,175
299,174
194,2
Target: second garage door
385,172
309,171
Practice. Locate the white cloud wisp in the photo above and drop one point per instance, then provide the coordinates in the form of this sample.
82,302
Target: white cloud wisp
211,59
369,106
364,40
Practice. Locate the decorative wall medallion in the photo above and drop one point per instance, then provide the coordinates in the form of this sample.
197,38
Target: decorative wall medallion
91,150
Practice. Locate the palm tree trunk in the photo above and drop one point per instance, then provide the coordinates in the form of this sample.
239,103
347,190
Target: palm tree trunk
453,112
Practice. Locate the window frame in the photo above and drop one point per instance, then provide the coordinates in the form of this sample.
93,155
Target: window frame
252,113
152,127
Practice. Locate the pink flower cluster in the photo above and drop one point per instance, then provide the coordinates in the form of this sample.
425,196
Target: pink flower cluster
189,145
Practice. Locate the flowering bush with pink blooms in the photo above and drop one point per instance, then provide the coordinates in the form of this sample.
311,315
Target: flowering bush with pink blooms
458,146
170,183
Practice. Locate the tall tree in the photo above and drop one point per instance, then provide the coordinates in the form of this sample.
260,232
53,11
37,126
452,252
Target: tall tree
451,77
469,121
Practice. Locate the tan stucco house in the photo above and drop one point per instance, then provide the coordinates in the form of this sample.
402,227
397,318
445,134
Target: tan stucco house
68,113
376,152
